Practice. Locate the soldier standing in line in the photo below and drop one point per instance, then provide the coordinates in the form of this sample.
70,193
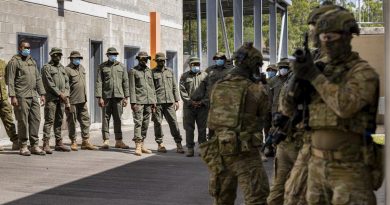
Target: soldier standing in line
143,101
78,110
167,103
112,91
24,82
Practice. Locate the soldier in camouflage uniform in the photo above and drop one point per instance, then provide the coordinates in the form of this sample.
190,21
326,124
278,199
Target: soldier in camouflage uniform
112,91
167,103
236,110
342,115
277,83
78,110
24,82
194,107
6,109
142,99
56,84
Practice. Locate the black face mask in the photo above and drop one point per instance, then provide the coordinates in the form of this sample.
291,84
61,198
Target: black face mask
337,49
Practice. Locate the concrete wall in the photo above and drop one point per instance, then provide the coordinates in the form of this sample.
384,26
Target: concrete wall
116,23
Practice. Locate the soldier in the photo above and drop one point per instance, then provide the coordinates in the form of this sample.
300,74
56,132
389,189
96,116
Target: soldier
56,84
271,71
142,99
342,115
277,83
24,82
194,107
112,91
167,103
236,110
78,110
6,109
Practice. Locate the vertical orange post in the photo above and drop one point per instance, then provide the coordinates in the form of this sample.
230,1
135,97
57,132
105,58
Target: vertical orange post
155,36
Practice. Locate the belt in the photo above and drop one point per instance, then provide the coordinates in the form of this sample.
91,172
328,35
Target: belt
327,155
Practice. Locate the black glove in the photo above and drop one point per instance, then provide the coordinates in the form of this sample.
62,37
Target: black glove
278,137
279,120
306,69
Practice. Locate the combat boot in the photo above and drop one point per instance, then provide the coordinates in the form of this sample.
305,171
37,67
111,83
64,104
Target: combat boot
190,152
46,147
179,148
74,146
121,144
37,150
61,147
85,145
15,145
106,144
24,151
161,148
138,149
144,149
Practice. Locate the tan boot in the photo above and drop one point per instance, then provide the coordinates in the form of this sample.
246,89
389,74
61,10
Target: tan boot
46,147
121,144
138,149
85,145
106,144
179,148
190,152
24,151
61,147
37,150
161,148
74,146
144,149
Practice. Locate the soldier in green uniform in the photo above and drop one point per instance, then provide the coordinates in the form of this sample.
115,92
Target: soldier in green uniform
142,99
195,108
342,115
277,83
78,110
56,84
112,91
24,83
237,107
167,103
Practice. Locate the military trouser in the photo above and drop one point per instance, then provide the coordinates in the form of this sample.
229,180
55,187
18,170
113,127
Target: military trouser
54,113
141,122
28,115
168,111
78,112
190,117
8,120
114,107
246,170
286,154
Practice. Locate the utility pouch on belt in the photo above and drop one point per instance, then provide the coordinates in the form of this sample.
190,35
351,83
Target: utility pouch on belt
374,159
209,151
227,142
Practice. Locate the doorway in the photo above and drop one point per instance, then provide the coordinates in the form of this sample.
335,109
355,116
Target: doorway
172,62
96,58
130,54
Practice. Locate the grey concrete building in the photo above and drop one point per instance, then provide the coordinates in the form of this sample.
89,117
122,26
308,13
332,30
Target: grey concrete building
91,26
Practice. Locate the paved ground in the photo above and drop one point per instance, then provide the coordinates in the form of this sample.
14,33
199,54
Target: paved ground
108,177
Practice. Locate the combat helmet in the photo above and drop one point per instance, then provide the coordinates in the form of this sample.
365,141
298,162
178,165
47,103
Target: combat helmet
248,56
339,21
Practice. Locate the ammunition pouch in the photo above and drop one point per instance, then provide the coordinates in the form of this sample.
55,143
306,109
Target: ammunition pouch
209,151
374,159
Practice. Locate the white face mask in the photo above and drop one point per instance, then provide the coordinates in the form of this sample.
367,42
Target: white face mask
283,71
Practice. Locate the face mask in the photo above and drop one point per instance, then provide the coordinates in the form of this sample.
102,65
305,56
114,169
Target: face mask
76,61
219,62
271,74
112,58
337,49
25,52
283,71
195,69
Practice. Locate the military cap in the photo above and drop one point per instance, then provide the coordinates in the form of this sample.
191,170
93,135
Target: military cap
219,55
75,54
271,67
160,56
284,62
55,50
142,54
194,60
112,50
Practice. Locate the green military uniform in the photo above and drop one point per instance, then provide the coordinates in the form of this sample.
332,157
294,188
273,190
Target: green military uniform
55,81
167,94
112,84
24,82
189,83
5,107
142,93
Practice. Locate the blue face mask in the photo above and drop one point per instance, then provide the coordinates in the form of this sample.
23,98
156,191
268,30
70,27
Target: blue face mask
219,62
25,52
271,74
112,58
195,69
76,61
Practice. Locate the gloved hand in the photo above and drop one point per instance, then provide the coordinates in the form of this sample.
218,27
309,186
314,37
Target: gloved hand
278,137
279,120
306,69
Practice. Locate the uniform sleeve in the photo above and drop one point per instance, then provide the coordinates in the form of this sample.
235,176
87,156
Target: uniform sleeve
350,97
98,84
10,78
133,97
175,90
183,91
125,82
47,81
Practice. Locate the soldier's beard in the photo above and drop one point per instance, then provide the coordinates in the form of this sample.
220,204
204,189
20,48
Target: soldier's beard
338,49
